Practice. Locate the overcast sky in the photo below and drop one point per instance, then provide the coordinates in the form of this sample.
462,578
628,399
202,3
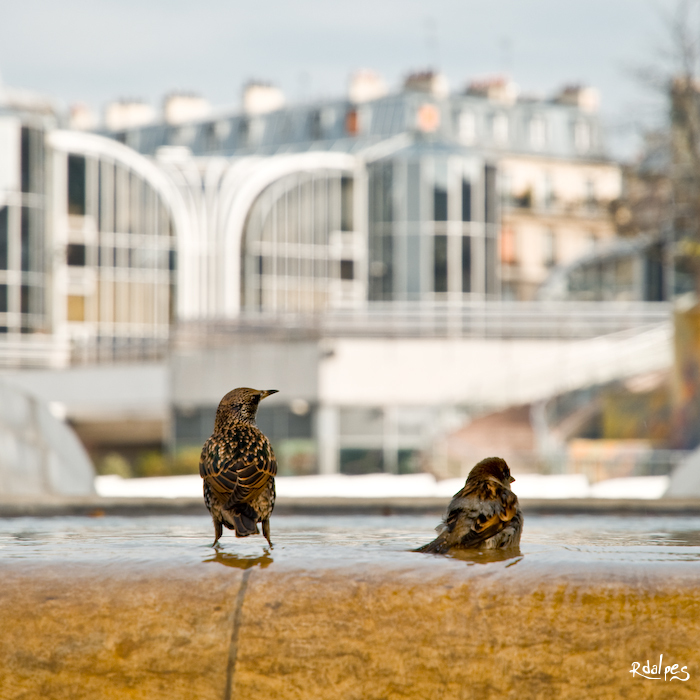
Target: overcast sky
96,50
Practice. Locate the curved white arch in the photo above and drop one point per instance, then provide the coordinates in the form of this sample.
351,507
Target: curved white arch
240,197
99,146
209,200
95,146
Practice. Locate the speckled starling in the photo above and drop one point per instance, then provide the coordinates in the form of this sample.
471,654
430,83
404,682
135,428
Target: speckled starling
238,467
485,514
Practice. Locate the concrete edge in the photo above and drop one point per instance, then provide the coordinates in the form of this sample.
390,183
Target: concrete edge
97,507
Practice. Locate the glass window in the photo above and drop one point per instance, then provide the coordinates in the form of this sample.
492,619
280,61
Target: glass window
24,299
466,200
346,203
3,238
76,308
466,264
75,254
25,159
359,461
380,193
414,264
440,203
76,185
3,297
413,194
490,194
440,263
347,269
25,239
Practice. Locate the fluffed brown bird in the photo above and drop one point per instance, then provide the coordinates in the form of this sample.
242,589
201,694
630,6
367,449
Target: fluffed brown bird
485,514
238,467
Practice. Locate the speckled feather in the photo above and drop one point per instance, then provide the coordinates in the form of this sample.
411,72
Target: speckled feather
238,467
485,514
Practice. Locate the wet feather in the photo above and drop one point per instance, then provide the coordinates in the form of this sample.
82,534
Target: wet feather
485,514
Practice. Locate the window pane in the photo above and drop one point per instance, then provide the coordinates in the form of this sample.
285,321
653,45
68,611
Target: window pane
3,238
75,254
76,185
490,194
359,461
466,200
25,239
440,264
347,269
25,159
466,264
413,194
346,197
76,308
440,203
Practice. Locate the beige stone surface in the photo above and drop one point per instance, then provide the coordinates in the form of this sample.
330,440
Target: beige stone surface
77,633
440,629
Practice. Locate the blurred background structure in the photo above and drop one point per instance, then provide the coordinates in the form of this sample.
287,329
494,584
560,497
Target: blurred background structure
425,274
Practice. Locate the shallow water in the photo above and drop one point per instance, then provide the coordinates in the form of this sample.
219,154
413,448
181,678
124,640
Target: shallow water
317,541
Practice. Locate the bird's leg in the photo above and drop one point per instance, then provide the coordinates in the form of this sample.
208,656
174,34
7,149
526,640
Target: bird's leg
218,530
266,531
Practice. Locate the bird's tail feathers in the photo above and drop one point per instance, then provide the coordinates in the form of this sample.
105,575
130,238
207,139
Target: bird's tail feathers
437,546
244,520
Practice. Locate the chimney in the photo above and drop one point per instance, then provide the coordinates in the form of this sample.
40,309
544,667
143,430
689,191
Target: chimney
182,107
429,82
587,99
497,89
82,118
261,98
126,114
365,86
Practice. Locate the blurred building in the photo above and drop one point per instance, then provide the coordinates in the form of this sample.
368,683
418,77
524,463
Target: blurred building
380,210
448,196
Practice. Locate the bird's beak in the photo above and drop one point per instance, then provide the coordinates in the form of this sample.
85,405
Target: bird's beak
267,392
511,479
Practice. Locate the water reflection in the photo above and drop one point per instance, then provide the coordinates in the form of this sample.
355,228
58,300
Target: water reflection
487,556
238,561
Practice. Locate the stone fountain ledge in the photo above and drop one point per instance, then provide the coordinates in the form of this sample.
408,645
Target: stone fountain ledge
415,626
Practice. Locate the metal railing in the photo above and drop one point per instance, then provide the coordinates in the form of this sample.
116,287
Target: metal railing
33,351
556,320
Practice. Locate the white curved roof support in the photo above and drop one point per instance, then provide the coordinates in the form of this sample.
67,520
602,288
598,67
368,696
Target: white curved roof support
95,146
188,247
242,198
209,200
